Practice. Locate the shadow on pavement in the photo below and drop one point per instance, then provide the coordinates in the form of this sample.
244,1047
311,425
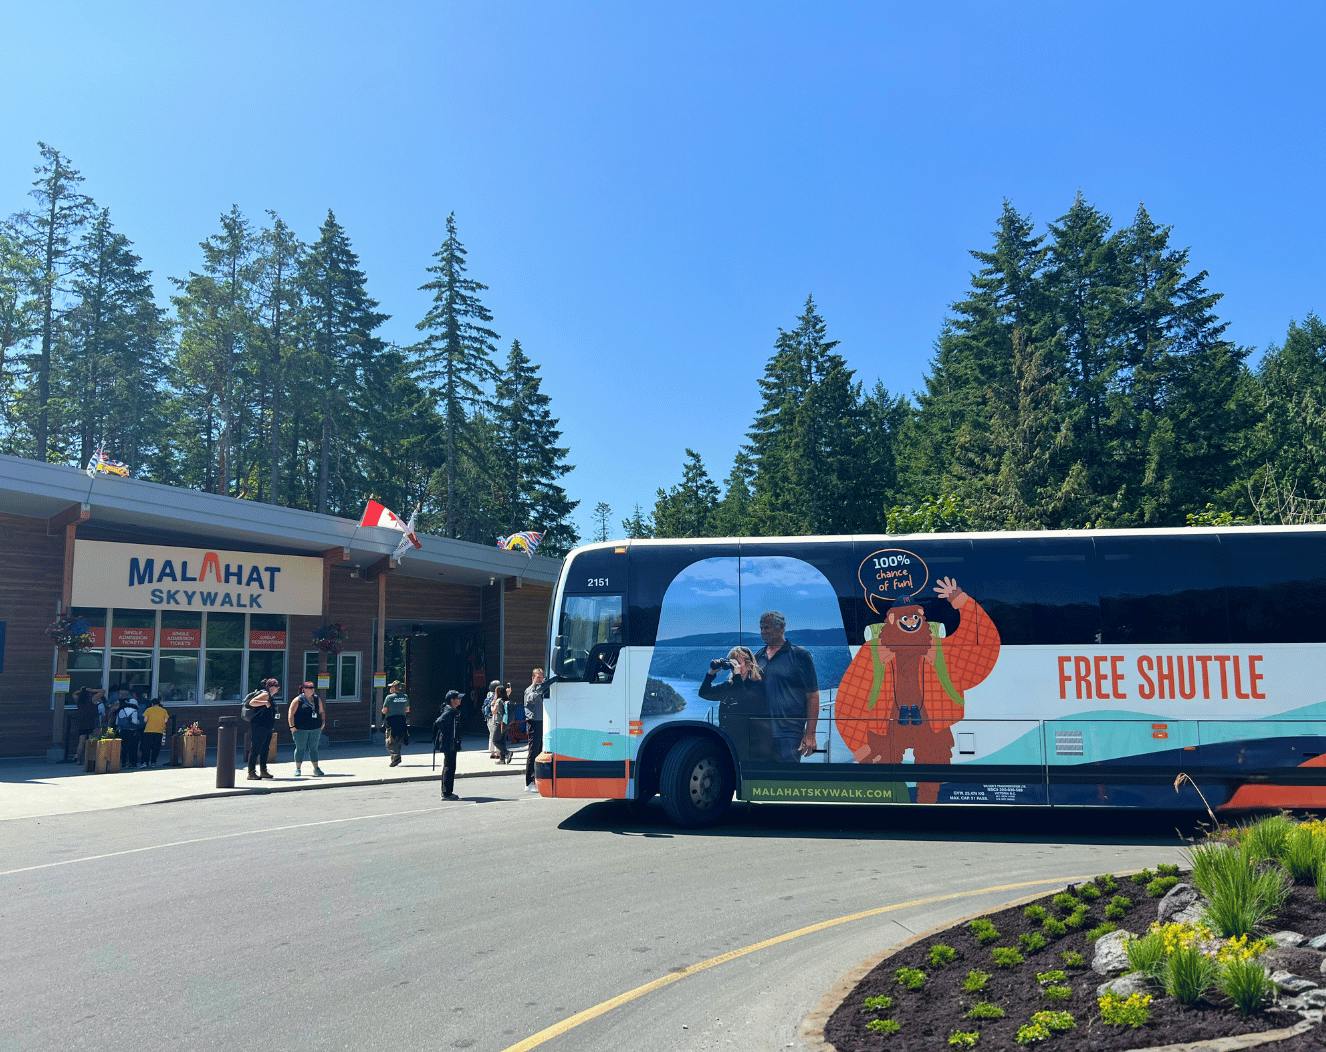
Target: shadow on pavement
912,822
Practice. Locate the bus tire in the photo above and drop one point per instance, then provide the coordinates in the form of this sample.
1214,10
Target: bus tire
696,782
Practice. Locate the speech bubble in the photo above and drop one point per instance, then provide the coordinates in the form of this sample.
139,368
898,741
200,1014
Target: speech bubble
890,574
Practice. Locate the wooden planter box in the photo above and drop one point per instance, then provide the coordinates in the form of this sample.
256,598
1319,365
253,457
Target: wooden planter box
108,756
271,749
193,749
90,756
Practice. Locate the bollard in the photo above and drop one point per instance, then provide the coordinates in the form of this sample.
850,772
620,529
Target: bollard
225,752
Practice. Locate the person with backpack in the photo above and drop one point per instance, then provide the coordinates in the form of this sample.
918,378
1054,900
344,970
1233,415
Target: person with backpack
154,730
307,717
259,711
446,739
504,714
129,726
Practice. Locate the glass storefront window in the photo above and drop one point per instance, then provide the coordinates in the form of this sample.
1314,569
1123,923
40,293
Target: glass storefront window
224,663
344,671
267,643
177,666
85,669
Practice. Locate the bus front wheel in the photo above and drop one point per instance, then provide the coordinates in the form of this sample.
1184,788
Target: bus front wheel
696,782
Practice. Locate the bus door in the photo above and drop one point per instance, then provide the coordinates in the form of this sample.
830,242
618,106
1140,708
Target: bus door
589,738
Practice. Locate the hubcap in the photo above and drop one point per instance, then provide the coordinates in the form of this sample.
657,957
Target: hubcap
705,780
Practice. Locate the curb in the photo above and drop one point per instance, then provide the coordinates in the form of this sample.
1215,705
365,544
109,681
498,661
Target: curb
267,790
812,1026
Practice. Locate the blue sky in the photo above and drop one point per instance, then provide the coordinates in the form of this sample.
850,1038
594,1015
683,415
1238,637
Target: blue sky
651,191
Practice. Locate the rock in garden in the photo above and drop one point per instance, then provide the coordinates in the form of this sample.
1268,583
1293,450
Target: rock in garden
1111,953
1126,985
1318,942
1306,1001
1288,938
1178,898
1291,983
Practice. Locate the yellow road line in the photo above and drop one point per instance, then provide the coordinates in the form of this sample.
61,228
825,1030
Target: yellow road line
603,1008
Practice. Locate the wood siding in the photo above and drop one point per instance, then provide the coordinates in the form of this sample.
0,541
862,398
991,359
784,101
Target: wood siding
31,567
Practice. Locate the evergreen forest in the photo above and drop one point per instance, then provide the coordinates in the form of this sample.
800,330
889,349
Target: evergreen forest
1083,379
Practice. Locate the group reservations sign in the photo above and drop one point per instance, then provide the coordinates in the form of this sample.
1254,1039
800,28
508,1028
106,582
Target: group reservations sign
148,577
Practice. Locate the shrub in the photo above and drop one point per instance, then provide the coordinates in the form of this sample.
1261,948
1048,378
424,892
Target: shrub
975,981
883,1026
1245,982
984,930
1054,975
1031,941
1031,1033
1188,974
1147,954
1006,957
1133,1010
1157,888
879,1003
1054,927
1146,876
1167,869
1066,903
964,1038
1035,913
911,978
1265,839
1117,908
1056,1022
1107,883
1088,891
1077,918
985,1010
1321,883
1073,959
1103,928
1304,854
1209,861
1058,993
941,955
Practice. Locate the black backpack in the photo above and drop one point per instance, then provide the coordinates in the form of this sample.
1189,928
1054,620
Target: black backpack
246,710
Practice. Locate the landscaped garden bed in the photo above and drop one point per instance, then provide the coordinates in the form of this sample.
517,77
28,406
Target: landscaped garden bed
1236,945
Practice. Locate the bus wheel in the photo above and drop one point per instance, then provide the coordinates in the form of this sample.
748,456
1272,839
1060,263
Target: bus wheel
696,782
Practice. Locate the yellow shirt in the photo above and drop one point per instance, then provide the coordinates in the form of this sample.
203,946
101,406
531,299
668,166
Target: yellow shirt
154,719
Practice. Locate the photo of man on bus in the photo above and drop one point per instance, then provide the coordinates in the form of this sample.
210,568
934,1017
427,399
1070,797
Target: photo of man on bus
792,690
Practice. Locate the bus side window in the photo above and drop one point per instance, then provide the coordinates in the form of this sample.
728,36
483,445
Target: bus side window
1162,589
1277,587
1038,590
589,638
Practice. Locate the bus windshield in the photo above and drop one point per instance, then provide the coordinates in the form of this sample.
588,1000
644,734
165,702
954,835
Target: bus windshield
588,638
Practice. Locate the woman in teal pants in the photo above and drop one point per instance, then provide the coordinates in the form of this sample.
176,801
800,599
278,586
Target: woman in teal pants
307,717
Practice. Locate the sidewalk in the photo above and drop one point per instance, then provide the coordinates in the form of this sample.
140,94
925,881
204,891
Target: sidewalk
35,788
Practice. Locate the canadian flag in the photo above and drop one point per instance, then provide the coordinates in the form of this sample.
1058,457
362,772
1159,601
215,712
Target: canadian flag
376,514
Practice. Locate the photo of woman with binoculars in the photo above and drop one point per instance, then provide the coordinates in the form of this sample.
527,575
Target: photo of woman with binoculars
743,705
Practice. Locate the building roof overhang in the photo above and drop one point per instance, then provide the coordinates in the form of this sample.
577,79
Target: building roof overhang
137,511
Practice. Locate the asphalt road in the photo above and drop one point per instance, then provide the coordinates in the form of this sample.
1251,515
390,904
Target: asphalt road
381,917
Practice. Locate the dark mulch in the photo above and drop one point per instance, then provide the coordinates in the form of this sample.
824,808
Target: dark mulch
928,1016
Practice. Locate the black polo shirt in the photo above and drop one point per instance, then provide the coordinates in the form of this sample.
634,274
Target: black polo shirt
788,677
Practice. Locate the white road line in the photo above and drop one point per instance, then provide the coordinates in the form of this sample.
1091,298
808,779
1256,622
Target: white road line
220,836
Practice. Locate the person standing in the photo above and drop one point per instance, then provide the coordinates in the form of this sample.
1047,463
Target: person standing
502,713
262,722
129,726
446,738
307,717
154,730
87,720
396,708
490,703
533,726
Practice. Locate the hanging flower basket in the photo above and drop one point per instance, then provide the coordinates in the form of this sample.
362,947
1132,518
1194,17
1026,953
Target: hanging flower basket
70,633
330,637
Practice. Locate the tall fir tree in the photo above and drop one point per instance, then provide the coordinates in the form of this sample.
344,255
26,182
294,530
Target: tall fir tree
19,314
278,294
638,524
50,233
1291,411
688,508
732,518
531,460
456,359
602,512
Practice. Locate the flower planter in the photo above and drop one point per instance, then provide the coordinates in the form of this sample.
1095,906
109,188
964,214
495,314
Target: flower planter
177,750
90,755
271,749
108,756
193,749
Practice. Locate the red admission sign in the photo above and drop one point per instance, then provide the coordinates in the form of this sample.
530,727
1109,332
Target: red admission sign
266,640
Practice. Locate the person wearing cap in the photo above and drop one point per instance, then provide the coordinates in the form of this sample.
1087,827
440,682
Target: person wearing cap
396,708
307,717
446,737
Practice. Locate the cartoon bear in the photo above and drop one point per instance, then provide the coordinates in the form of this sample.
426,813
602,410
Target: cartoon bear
904,689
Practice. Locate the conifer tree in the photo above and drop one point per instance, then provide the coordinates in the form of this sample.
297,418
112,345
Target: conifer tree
19,316
602,510
1291,431
687,509
639,525
276,340
49,234
456,359
732,517
530,460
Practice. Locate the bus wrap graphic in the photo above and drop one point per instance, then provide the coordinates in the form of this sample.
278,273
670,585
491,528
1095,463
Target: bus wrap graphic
890,574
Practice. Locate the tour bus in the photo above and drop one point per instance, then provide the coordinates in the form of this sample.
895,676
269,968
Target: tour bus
1076,668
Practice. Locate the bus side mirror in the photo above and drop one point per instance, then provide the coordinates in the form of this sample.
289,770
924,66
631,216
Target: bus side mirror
550,680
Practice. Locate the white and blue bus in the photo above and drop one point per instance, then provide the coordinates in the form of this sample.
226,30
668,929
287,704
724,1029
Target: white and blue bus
1082,668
